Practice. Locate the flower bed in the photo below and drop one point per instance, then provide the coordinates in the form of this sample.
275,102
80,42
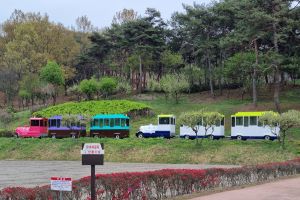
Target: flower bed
160,184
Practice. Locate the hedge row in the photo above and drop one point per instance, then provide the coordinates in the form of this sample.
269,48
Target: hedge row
92,108
160,184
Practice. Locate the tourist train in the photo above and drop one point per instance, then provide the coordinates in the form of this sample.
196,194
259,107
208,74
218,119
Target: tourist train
244,125
105,125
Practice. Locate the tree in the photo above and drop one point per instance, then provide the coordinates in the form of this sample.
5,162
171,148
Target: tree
124,16
84,25
171,61
173,85
285,121
240,68
107,86
53,74
88,87
30,84
72,121
192,119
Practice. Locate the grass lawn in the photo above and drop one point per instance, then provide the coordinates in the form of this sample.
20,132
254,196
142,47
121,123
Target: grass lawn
164,150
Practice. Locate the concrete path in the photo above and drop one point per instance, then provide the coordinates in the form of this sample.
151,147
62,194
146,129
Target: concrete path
34,173
287,189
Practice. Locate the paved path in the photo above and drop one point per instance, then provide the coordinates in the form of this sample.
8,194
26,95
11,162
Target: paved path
34,173
287,189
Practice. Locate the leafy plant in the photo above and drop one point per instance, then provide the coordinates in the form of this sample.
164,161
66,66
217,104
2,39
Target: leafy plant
92,108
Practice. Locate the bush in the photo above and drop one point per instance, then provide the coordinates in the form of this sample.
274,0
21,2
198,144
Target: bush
88,87
107,86
6,133
91,108
161,184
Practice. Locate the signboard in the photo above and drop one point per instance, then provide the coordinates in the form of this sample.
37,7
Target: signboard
92,149
61,184
92,154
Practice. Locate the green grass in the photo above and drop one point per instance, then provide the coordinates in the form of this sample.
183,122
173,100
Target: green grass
149,150
164,150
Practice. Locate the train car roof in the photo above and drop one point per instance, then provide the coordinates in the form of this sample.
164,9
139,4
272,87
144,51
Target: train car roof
37,118
166,115
251,114
109,116
60,117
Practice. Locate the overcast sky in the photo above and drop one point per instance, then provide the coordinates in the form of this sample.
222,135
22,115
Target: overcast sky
100,12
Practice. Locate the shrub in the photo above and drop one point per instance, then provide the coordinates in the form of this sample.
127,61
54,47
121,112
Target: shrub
6,133
88,87
107,86
91,108
161,184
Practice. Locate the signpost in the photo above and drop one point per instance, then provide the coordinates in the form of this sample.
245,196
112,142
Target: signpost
61,184
92,154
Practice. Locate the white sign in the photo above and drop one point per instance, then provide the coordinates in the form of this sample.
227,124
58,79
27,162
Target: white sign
61,184
92,149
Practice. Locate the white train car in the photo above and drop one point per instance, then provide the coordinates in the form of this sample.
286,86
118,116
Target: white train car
165,128
215,132
246,125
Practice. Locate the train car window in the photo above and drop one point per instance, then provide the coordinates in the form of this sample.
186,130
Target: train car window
34,123
100,122
58,123
52,122
164,120
127,122
123,122
259,122
45,123
174,121
112,122
246,121
106,122
232,121
239,121
218,123
222,122
117,122
253,121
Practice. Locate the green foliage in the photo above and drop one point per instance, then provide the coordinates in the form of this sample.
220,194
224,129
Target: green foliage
92,108
88,87
75,120
172,61
239,68
174,85
107,86
153,85
194,74
52,73
286,121
123,87
208,119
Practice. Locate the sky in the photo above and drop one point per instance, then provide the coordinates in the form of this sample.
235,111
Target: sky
100,12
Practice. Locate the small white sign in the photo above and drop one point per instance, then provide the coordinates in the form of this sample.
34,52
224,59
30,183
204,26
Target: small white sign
61,184
92,149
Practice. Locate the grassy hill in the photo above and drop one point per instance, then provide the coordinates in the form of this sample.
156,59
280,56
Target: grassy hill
174,150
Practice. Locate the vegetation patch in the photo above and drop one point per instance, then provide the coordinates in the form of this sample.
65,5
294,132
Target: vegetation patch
161,184
91,108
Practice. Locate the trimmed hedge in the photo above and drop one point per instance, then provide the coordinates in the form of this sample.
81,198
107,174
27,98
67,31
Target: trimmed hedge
92,108
162,183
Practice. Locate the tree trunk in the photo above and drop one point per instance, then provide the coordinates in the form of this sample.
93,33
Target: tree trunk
210,76
254,77
277,71
140,75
